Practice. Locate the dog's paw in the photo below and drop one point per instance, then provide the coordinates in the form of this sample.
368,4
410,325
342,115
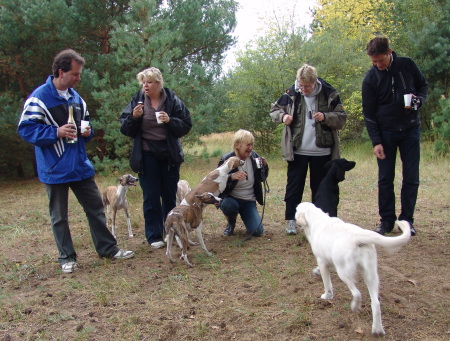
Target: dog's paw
327,296
378,331
316,271
356,304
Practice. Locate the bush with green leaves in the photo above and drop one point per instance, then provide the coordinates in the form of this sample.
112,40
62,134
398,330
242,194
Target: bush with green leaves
441,127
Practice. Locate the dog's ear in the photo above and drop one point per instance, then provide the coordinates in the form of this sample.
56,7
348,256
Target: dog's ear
340,174
119,179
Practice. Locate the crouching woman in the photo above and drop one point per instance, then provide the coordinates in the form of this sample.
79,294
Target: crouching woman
244,186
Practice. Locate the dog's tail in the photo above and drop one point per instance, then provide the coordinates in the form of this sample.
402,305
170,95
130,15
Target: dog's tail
105,198
392,244
175,222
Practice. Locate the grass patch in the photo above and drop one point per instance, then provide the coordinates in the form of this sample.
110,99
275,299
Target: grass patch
261,289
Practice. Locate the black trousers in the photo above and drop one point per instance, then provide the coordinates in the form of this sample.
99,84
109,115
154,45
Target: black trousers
296,178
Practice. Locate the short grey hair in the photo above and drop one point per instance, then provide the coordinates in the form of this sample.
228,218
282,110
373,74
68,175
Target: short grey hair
307,73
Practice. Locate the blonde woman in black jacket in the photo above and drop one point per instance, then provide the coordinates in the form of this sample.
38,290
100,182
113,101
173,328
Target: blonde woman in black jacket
244,186
157,153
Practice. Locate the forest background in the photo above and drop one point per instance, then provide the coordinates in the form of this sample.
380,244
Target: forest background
187,40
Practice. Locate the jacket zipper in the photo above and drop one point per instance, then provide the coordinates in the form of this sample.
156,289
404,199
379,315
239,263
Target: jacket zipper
403,80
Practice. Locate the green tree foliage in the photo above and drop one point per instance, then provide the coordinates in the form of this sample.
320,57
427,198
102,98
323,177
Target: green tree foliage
29,41
355,14
186,39
416,28
28,44
430,46
441,127
341,62
16,157
261,77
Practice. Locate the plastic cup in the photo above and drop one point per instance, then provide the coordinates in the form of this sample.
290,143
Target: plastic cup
158,115
408,99
84,125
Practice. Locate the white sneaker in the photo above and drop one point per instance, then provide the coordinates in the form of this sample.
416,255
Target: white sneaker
157,245
291,227
123,254
69,267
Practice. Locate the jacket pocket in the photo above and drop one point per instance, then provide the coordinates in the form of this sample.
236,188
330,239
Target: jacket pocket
324,135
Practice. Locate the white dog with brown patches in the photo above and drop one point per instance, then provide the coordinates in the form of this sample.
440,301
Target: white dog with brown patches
215,182
185,218
115,198
183,189
188,215
347,247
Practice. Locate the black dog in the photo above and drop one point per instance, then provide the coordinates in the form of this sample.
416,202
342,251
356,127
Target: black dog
327,196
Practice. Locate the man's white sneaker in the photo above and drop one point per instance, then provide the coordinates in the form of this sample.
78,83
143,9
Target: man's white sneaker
157,245
69,267
291,227
123,254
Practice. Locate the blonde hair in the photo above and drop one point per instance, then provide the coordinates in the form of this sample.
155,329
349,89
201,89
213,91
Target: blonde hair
240,137
151,74
307,73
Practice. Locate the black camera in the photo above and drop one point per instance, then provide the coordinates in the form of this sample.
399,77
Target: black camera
415,102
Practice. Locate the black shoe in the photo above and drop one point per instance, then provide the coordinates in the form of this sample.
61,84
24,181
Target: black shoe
384,228
228,230
411,228
230,226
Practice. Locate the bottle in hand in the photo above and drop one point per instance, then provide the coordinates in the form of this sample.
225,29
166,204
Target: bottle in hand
71,120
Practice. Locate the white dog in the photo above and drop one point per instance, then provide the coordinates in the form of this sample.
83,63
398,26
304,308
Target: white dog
346,247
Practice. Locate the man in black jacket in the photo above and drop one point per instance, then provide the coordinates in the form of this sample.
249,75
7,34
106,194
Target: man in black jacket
391,125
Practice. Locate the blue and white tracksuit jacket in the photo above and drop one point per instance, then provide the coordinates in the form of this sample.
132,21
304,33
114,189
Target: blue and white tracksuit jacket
44,111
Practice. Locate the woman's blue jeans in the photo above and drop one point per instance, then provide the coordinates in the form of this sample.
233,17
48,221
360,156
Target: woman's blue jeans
231,206
408,144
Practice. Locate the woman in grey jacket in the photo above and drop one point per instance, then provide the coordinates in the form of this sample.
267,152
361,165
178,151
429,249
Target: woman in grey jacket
312,112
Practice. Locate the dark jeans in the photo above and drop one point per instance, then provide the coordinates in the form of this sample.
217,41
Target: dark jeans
408,144
159,187
88,195
296,177
231,206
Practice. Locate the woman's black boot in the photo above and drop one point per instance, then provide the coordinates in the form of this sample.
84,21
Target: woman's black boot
230,226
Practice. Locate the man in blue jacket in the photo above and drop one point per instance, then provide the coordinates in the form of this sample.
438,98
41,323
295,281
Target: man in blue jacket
392,125
62,165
